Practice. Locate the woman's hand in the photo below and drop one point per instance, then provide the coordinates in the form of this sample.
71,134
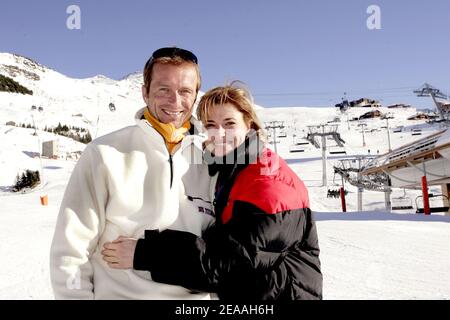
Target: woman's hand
119,254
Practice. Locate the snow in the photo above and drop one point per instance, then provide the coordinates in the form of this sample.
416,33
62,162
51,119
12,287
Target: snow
365,255
379,255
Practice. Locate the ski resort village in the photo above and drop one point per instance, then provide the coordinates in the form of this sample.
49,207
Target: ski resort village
378,178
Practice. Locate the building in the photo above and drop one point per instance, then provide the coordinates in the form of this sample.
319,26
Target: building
362,103
399,106
445,106
422,116
371,115
365,103
50,149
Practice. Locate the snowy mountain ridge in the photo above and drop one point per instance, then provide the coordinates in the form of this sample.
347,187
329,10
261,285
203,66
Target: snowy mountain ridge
61,97
364,255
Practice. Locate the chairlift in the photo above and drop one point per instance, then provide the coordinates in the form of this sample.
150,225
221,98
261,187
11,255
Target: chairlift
402,203
335,193
295,148
112,107
299,141
334,180
338,152
433,197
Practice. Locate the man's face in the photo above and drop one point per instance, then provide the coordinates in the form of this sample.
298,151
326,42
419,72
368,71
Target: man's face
172,93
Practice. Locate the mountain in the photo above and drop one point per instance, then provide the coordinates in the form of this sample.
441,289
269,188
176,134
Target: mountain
78,102
60,95
375,246
85,103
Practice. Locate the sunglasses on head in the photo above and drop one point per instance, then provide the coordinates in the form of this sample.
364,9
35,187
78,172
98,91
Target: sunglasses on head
172,52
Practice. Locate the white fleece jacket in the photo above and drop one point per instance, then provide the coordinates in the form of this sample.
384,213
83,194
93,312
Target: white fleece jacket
121,185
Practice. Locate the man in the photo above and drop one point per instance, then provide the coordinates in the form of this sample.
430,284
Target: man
146,176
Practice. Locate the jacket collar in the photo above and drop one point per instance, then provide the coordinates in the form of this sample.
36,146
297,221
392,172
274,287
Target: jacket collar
194,135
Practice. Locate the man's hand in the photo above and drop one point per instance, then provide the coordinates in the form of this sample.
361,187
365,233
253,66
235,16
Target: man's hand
119,254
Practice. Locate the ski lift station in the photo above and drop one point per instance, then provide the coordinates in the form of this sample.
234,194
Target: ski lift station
415,166
423,163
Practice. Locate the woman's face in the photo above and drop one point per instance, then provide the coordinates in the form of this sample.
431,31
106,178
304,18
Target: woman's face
226,129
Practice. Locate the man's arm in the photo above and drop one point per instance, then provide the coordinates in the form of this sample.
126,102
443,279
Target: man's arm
245,258
182,258
252,244
79,224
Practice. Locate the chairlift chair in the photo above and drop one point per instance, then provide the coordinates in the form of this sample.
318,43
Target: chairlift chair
295,148
335,190
338,152
299,141
434,209
402,203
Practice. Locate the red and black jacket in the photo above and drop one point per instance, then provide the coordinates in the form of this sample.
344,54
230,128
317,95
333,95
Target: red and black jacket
264,245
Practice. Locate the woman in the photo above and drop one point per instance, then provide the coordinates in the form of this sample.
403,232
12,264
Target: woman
264,243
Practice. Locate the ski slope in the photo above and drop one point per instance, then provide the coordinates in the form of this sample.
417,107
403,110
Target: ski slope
365,255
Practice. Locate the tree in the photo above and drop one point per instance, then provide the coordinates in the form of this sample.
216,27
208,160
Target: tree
10,85
28,179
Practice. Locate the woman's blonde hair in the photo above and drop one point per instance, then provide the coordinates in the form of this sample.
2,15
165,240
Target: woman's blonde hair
236,94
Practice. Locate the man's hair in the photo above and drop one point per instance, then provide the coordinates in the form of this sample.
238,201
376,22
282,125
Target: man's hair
173,60
236,95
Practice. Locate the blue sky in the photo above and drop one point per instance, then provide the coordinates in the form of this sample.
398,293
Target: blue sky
290,52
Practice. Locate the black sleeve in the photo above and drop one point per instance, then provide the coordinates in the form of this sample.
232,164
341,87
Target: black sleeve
298,275
182,258
243,255
273,233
